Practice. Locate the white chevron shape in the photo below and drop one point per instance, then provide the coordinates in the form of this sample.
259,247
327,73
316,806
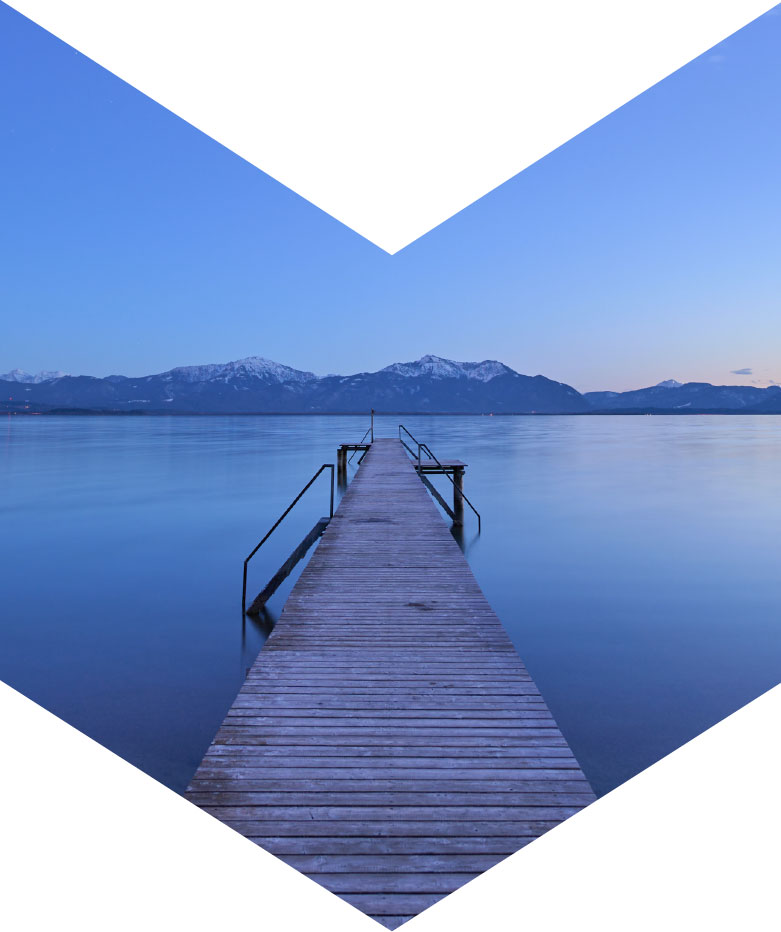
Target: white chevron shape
392,117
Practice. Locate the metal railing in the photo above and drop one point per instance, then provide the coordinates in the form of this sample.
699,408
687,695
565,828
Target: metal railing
282,517
427,448
362,440
369,430
406,446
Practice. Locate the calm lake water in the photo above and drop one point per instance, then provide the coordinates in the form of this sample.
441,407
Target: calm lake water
633,560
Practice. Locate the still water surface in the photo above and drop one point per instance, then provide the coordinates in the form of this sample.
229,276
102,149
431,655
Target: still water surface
633,560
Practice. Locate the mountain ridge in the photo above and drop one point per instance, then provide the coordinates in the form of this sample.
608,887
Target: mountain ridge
29,378
431,384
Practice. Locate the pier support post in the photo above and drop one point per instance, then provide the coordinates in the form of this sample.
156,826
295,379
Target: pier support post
458,498
341,467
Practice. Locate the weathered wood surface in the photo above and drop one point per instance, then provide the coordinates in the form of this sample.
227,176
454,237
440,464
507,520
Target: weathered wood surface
388,741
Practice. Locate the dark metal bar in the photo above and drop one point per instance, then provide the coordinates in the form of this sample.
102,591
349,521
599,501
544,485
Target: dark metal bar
287,567
368,431
407,448
280,520
403,428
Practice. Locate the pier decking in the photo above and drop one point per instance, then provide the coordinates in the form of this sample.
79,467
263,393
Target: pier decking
388,741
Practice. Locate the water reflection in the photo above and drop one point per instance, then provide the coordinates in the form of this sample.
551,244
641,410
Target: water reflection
465,539
255,630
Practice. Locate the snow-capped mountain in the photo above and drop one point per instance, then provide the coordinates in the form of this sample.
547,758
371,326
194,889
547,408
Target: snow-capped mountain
258,385
668,383
436,367
255,385
253,367
27,378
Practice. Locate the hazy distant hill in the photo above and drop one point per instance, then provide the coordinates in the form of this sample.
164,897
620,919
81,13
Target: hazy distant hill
428,385
700,396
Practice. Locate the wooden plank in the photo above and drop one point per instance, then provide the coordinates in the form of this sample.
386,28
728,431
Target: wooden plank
464,815
431,731
226,783
211,796
249,751
388,904
391,863
389,828
295,737
545,782
453,705
334,846
388,740
386,882
325,769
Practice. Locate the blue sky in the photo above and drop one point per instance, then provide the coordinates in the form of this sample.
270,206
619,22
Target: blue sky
647,248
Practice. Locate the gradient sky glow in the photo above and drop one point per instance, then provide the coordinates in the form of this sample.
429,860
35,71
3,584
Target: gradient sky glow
647,248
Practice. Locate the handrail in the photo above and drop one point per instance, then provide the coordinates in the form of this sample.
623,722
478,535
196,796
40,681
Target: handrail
406,446
368,431
403,428
281,519
461,492
427,448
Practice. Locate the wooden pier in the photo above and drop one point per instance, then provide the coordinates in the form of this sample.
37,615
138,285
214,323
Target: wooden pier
388,741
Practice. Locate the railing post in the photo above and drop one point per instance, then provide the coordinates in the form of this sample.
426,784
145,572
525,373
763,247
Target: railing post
372,425
332,490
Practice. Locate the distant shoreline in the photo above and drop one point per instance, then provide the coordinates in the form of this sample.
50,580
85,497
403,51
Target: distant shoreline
634,412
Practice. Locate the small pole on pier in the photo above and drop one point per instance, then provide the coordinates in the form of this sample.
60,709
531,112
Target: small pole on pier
458,496
372,425
341,467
